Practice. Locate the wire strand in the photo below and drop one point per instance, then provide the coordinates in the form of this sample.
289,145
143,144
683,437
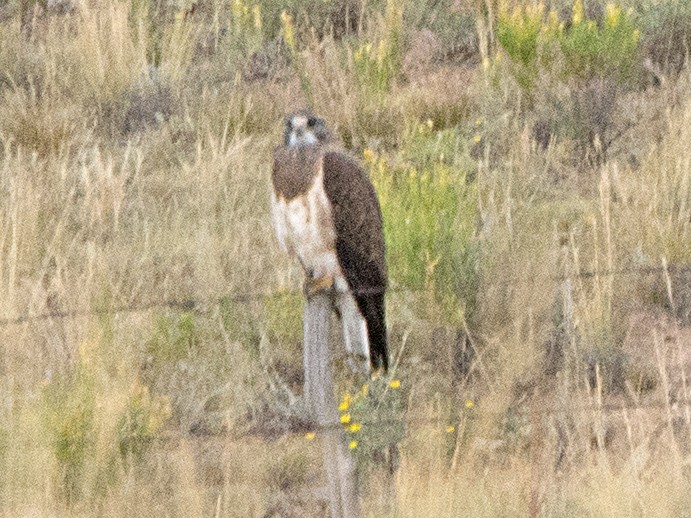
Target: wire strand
199,304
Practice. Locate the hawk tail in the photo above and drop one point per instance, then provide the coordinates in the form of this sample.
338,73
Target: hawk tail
372,308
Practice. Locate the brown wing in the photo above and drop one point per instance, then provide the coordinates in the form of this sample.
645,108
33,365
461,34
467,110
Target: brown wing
359,243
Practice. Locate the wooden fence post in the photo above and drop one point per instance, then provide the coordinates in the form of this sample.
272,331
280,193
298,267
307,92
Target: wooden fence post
319,397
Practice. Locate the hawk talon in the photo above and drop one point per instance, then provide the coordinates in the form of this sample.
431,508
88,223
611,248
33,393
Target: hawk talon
314,286
377,373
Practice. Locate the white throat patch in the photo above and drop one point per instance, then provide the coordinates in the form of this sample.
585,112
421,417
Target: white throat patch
306,139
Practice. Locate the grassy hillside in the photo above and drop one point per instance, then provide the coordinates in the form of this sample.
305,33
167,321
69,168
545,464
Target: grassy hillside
534,171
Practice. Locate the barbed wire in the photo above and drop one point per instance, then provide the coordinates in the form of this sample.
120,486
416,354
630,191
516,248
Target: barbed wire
201,304
447,424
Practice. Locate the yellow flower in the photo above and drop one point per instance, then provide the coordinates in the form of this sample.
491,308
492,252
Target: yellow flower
613,15
345,402
477,138
450,429
352,445
345,418
577,16
355,427
469,404
288,30
395,383
310,436
553,19
256,11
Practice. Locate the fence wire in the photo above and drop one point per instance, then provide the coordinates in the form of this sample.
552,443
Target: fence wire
201,304
311,430
450,424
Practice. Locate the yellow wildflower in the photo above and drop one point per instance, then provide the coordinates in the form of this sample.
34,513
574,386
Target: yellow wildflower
577,16
310,436
345,418
355,427
477,138
450,429
395,383
345,402
469,404
288,30
613,15
257,13
352,445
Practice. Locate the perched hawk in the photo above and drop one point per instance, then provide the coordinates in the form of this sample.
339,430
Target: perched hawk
326,213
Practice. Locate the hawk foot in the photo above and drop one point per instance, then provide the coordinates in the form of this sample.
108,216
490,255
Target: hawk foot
377,373
313,286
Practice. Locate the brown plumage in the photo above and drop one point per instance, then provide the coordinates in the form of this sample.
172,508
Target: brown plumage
326,213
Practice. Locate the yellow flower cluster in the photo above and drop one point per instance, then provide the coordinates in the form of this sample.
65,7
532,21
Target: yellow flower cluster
288,31
577,13
613,15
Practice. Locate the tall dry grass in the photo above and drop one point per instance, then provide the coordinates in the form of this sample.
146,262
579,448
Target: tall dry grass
134,168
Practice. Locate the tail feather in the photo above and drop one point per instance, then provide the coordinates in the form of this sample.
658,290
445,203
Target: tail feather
372,308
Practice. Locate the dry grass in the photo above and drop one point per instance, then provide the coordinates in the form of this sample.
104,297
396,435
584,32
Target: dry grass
124,183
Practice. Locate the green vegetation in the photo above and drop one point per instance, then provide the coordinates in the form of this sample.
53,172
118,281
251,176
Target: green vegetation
512,145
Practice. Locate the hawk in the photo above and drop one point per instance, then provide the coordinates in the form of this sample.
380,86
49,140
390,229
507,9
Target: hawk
326,213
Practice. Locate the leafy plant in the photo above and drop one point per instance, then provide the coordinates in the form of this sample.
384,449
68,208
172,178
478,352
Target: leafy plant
173,338
372,417
70,411
143,419
377,65
666,32
537,42
429,224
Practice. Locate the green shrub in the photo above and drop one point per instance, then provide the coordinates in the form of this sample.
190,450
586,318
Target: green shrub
70,407
143,419
666,28
519,33
378,65
608,49
538,43
373,418
173,338
429,225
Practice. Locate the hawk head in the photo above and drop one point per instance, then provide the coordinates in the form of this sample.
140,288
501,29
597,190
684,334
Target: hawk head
303,128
